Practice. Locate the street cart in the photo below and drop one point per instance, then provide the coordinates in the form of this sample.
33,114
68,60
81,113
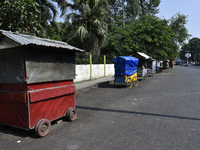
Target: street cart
126,70
151,67
142,65
142,73
166,64
36,81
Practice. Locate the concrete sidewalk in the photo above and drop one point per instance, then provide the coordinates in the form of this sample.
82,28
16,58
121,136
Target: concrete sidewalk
90,83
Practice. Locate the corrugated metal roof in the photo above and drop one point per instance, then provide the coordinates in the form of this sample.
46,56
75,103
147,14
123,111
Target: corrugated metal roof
23,39
144,55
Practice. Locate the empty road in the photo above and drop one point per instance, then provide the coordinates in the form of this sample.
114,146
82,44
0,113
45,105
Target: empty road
162,113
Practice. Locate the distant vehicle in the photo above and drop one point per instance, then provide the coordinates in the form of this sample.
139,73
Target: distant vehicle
178,62
192,63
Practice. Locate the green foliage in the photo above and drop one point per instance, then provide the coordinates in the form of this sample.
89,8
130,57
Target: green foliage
177,23
88,24
150,35
193,47
91,31
33,17
22,16
62,31
133,8
149,7
83,58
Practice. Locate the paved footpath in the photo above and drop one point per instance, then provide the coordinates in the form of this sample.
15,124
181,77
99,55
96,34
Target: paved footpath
87,84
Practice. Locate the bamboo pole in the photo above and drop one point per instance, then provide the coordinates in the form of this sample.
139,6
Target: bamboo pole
104,65
90,66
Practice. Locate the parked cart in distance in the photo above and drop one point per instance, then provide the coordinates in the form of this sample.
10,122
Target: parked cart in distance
126,70
151,67
142,73
36,81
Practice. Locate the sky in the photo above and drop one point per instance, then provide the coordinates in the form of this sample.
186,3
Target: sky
190,8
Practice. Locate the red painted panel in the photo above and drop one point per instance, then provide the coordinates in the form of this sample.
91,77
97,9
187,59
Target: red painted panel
48,84
47,93
50,109
47,101
13,110
13,96
11,86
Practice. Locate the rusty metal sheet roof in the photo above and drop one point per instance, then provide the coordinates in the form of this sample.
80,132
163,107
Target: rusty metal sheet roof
23,39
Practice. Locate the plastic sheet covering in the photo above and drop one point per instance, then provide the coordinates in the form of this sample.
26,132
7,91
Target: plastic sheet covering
125,65
49,65
11,65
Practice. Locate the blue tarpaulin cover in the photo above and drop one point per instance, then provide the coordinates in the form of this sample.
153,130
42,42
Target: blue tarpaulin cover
125,65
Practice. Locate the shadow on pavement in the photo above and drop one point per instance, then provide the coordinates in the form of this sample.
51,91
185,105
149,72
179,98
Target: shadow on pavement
137,113
22,133
5,129
110,84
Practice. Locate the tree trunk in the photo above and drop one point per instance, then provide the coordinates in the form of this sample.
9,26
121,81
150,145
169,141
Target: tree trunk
95,53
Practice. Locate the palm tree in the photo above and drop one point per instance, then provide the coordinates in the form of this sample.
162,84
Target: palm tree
48,9
91,19
48,14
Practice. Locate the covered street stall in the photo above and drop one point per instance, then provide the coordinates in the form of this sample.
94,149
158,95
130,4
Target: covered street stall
142,65
126,70
152,64
36,81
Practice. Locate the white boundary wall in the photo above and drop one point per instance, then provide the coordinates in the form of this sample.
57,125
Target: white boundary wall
83,71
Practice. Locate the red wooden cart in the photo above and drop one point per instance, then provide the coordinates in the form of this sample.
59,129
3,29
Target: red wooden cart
36,81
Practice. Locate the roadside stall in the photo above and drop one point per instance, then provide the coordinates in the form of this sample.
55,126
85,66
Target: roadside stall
126,70
36,81
166,64
151,66
142,65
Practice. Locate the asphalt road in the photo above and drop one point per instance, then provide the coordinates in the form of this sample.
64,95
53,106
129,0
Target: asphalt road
162,113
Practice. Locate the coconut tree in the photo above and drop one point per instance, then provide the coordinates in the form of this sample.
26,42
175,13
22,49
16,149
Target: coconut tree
48,9
90,17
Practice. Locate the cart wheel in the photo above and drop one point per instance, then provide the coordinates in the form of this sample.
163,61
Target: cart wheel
129,84
135,82
43,128
71,114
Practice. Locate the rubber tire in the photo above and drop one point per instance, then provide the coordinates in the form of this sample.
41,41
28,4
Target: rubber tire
71,114
43,128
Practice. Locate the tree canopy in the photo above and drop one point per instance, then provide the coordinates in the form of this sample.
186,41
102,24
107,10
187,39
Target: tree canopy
192,47
148,34
111,27
91,22
21,15
27,16
132,8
